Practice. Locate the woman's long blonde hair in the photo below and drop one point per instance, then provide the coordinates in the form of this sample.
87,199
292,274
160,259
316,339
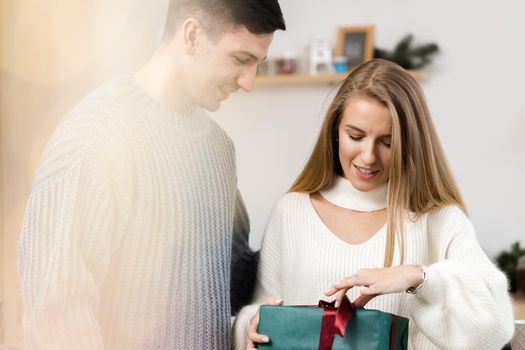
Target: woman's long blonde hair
420,179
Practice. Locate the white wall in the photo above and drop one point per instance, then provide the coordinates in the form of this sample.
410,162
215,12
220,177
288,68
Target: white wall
474,89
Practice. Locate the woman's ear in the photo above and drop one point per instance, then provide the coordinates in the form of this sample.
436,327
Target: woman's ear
192,31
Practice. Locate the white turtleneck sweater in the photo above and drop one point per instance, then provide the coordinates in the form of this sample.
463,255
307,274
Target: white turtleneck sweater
463,304
126,239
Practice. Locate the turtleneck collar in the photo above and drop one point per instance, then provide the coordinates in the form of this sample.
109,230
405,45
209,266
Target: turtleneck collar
343,194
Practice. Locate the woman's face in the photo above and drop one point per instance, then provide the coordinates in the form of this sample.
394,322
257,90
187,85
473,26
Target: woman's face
365,134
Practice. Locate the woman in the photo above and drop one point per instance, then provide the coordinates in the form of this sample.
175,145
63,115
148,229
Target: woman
377,211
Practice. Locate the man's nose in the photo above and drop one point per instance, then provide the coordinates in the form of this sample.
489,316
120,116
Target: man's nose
247,77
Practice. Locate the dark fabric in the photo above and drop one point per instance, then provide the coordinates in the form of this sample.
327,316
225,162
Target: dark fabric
244,260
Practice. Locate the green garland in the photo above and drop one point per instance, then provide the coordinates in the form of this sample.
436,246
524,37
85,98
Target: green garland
407,55
507,261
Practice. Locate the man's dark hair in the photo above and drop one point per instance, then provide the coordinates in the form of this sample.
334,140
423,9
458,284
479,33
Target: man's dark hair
258,16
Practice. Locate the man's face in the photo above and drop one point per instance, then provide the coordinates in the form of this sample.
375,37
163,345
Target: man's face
225,65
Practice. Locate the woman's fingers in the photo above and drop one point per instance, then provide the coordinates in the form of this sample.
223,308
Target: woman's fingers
254,323
340,295
363,299
272,301
346,283
330,291
376,281
362,278
358,279
340,289
254,337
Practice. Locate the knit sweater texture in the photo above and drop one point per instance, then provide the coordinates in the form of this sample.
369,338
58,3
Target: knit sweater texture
463,304
126,239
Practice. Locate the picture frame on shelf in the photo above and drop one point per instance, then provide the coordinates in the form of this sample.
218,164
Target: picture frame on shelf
356,43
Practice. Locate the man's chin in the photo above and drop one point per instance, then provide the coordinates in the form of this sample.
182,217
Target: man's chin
212,107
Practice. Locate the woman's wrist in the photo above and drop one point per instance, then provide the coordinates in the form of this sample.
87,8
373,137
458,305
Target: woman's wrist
420,275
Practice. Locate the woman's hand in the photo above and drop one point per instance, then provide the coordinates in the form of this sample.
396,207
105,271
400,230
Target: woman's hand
375,282
255,338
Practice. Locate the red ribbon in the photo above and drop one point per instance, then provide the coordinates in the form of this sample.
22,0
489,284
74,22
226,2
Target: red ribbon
326,337
393,333
335,322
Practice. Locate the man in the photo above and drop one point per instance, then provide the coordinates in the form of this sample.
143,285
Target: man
127,236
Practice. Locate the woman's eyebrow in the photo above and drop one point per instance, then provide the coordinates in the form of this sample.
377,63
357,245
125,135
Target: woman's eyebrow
354,127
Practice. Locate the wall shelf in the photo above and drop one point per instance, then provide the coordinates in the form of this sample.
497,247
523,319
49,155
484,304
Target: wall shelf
303,79
282,79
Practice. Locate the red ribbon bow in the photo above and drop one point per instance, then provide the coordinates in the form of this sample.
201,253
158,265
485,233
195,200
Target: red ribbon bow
334,321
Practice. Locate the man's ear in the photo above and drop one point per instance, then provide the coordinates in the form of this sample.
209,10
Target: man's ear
192,31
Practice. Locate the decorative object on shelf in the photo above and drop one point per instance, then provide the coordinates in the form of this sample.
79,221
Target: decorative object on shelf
304,79
320,56
507,261
266,67
408,56
340,64
287,64
356,44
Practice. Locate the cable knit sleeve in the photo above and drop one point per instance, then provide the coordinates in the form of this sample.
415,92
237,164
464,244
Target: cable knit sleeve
62,259
268,283
464,303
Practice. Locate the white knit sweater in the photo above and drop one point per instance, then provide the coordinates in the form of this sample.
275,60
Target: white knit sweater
463,304
126,240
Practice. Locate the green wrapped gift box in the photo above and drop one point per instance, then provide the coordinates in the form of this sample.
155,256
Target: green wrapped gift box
325,327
